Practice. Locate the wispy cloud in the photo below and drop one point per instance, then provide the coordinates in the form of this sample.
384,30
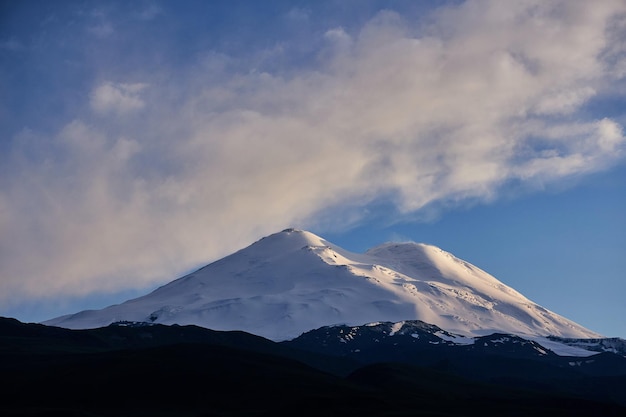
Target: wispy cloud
117,98
298,14
150,12
487,93
101,30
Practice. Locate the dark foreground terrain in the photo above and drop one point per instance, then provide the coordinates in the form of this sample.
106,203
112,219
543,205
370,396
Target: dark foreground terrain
189,371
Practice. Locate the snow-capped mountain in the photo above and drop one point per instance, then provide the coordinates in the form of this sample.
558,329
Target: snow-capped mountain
293,281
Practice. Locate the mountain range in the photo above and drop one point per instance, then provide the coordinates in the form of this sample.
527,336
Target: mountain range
295,325
407,368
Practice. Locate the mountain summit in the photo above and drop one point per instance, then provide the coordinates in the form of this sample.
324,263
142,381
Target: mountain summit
294,281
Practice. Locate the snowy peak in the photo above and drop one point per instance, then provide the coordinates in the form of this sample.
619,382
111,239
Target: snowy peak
294,281
432,262
284,242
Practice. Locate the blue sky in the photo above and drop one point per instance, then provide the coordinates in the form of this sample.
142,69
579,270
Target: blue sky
139,140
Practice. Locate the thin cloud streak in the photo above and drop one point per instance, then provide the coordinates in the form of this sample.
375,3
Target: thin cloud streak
142,186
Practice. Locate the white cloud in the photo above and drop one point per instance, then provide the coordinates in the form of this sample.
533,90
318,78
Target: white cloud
564,102
338,35
117,98
487,94
609,136
298,14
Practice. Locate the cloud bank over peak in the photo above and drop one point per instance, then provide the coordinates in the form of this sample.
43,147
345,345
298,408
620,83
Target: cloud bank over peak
197,159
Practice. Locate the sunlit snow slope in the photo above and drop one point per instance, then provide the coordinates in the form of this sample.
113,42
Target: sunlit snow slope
294,281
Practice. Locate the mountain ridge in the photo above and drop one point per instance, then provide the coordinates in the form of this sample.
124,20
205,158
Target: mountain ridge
396,369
